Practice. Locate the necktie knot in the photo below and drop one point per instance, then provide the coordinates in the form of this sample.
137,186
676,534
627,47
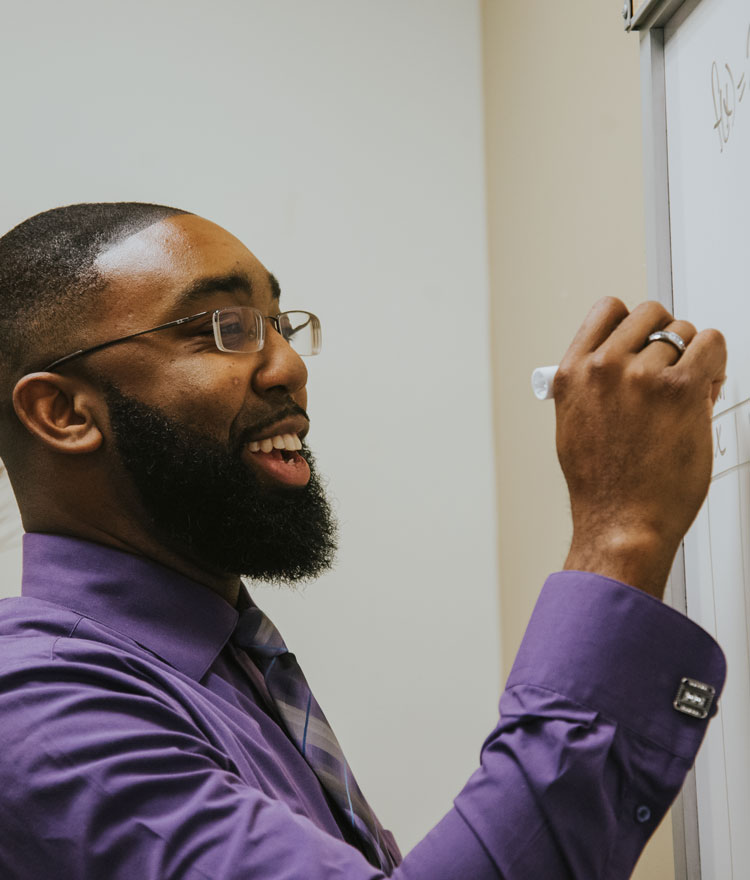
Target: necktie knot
256,634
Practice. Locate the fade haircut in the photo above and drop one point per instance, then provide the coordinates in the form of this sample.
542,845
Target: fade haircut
48,276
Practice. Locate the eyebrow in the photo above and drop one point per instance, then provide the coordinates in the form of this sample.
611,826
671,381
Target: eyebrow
202,287
275,286
231,283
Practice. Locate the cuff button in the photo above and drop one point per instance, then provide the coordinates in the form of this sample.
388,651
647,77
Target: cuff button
642,814
694,698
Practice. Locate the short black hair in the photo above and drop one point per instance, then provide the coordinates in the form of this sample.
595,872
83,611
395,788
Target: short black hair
48,274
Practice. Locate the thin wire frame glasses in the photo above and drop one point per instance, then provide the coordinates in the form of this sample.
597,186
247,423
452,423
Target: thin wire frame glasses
236,329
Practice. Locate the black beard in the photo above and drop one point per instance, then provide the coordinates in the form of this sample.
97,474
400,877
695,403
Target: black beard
206,503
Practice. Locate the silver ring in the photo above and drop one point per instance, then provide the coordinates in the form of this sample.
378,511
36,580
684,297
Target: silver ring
668,336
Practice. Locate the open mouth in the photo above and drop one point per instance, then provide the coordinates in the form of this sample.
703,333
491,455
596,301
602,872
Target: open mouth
282,442
277,458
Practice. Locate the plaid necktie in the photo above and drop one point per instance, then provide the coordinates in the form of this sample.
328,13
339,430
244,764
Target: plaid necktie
310,731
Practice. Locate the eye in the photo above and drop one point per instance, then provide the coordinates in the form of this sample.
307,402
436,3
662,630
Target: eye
232,332
229,327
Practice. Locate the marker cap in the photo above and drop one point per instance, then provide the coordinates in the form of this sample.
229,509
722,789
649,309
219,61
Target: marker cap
542,380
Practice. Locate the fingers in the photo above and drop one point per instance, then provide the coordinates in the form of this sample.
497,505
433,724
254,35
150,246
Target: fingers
716,389
603,318
663,353
610,327
631,335
706,358
613,336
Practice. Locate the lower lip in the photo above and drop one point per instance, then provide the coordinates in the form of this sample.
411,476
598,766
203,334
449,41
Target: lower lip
288,470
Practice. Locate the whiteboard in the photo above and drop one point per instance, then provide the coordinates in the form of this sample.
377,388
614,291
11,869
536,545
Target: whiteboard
706,105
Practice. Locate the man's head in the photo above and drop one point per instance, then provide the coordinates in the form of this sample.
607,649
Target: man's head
154,442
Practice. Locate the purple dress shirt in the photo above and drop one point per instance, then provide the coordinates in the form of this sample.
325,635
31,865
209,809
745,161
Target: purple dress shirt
137,742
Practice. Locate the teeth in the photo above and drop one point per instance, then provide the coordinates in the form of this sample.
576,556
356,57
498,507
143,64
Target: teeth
290,442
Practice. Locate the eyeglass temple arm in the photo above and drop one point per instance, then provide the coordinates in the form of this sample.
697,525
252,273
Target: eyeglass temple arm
81,351
69,357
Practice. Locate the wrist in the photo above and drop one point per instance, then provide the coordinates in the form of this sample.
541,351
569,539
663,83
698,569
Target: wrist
639,558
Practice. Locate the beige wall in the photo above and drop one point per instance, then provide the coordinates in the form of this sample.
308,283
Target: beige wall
565,227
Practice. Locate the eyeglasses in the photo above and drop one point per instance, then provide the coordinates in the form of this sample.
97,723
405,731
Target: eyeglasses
238,329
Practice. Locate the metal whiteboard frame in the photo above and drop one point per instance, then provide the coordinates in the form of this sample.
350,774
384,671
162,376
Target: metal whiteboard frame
649,19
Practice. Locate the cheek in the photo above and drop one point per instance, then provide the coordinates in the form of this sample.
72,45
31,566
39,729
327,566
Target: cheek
218,395
205,399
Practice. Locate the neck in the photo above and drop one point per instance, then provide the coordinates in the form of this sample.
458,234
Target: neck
134,540
91,503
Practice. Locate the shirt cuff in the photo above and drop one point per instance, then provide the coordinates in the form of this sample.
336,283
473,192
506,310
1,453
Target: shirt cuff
621,652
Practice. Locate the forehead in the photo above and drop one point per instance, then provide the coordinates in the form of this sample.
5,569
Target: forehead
170,264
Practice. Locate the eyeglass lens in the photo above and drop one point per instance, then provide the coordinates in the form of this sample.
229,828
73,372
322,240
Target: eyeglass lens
241,329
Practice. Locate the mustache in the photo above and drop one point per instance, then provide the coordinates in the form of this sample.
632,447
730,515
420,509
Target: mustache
289,409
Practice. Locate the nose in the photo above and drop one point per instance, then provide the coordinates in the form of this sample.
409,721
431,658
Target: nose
279,365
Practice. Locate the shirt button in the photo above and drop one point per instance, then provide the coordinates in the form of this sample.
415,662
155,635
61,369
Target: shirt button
642,814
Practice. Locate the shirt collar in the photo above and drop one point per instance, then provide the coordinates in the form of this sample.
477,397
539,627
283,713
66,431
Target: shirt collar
183,622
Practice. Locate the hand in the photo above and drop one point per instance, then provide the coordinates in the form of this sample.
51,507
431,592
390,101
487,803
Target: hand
634,438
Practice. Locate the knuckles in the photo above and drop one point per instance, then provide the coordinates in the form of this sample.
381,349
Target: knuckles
666,384
603,368
611,304
603,373
652,312
597,371
608,308
687,330
675,386
713,338
562,381
643,379
607,371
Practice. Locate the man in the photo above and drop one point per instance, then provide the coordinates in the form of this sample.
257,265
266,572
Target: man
154,724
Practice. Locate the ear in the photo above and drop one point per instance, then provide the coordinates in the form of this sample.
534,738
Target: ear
58,411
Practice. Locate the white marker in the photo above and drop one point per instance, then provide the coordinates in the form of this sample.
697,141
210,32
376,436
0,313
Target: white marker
542,380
